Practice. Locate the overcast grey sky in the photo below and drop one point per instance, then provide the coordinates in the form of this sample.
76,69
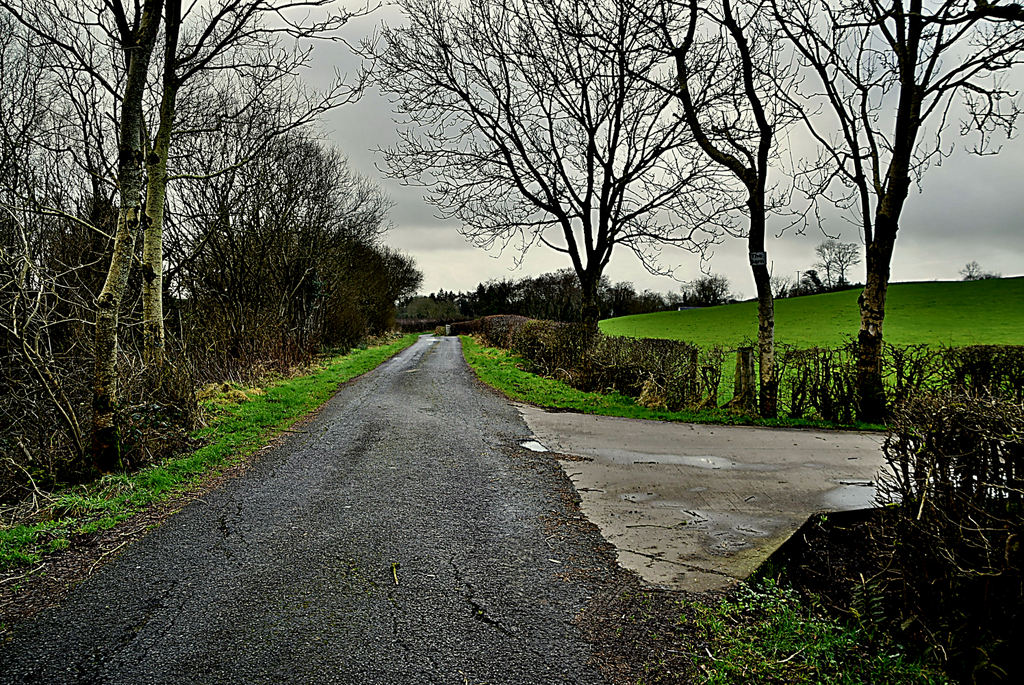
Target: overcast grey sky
970,208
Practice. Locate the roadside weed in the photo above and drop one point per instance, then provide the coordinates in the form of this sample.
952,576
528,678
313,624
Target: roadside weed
765,633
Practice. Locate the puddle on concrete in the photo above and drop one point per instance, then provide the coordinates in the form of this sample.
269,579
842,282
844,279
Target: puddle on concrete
850,495
704,462
534,446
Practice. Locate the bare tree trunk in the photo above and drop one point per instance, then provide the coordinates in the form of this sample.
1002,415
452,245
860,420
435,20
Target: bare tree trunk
768,390
871,391
156,197
768,381
138,48
105,447
152,239
871,405
590,311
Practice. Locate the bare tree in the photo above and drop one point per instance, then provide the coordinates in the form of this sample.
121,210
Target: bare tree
527,131
835,259
729,50
136,40
299,230
103,56
782,286
890,74
972,271
133,36
225,36
710,290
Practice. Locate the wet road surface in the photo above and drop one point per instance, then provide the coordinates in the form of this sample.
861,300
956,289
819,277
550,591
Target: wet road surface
402,537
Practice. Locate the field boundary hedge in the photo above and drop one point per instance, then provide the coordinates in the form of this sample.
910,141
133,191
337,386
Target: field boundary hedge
816,383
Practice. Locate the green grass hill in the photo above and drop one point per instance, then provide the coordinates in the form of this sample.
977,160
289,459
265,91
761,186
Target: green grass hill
944,312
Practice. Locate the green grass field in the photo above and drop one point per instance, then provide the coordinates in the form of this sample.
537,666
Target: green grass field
936,313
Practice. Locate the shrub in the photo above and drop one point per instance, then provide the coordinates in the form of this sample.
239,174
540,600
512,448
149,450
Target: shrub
554,349
985,370
498,330
821,381
818,382
466,327
668,369
911,369
672,371
956,468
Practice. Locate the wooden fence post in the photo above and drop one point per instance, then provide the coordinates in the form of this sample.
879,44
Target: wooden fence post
745,385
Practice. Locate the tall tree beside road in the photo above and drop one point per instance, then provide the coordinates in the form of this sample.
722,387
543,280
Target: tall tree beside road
527,131
133,33
136,39
115,49
891,74
225,35
729,50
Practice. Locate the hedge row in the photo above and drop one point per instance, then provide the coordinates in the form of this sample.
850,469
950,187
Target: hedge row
662,373
820,382
816,383
953,557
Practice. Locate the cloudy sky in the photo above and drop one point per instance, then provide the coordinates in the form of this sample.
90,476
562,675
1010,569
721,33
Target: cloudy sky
970,208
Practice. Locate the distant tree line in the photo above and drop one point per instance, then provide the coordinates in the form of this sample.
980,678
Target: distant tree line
554,296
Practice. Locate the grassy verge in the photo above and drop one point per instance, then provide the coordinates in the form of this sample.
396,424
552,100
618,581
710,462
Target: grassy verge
239,427
504,371
765,633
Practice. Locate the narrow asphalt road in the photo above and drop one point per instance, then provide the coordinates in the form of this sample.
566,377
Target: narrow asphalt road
403,537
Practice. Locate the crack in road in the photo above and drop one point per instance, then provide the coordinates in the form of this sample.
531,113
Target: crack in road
478,610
